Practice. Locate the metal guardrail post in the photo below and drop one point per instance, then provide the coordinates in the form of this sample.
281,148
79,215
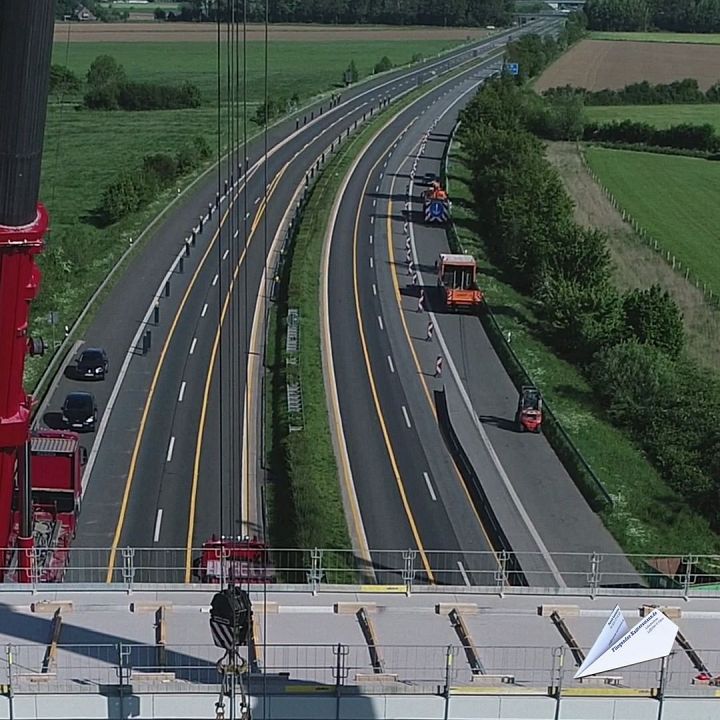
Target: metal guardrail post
315,574
408,573
689,562
558,672
501,572
340,672
449,653
11,694
594,576
128,568
664,665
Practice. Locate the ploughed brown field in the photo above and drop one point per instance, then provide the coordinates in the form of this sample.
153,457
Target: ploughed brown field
207,32
601,64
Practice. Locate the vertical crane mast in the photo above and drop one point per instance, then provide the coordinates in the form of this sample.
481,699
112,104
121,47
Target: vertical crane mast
26,30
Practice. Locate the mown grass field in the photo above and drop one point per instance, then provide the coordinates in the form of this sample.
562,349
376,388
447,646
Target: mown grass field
661,116
648,517
674,198
85,150
697,38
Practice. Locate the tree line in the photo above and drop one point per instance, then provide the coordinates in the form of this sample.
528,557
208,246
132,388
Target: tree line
349,12
629,345
681,92
134,189
109,89
702,16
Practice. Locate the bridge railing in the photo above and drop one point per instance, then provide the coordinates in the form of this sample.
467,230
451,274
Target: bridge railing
338,668
410,570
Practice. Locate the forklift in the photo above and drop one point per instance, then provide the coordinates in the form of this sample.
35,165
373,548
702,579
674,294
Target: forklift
529,410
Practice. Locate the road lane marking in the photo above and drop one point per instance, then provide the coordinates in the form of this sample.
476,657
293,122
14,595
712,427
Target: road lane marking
371,262
406,416
215,279
182,392
257,200
374,289
371,237
171,447
390,363
158,522
192,345
463,573
380,322
204,310
225,254
430,487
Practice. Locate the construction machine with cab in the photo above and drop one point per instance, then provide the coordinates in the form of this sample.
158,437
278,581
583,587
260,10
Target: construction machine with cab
457,280
529,416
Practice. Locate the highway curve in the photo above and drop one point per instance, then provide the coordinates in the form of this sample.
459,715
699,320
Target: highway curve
394,440
409,491
151,478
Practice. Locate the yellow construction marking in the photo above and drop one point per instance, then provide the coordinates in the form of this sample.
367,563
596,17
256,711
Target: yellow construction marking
498,690
383,589
209,376
381,418
423,381
613,691
307,689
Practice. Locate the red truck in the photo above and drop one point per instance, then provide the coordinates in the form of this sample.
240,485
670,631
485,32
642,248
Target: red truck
236,560
56,466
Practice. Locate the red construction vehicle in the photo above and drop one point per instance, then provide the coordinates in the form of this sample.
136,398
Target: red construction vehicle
26,34
529,410
456,277
56,466
235,561
436,204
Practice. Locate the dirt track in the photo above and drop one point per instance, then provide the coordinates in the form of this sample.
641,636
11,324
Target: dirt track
600,64
206,32
635,265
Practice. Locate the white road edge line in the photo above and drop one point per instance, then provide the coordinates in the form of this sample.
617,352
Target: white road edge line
171,447
430,487
406,416
182,392
478,425
158,522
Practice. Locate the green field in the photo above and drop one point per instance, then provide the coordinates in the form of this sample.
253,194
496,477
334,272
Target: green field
648,517
697,38
661,116
85,150
674,198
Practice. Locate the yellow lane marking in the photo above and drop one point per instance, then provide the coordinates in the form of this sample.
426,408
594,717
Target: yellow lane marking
151,393
391,254
211,370
395,589
381,418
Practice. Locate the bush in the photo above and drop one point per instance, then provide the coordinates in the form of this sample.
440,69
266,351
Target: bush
653,317
384,65
63,80
104,70
162,166
120,198
102,98
686,92
149,96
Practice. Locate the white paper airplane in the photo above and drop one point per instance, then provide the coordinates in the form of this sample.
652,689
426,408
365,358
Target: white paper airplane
651,638
614,629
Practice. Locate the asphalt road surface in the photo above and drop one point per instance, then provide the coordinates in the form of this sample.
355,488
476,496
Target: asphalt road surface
153,482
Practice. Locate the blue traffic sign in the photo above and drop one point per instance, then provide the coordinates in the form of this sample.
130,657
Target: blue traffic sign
513,68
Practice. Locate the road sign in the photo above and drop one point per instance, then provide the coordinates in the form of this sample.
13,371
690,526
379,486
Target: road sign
513,68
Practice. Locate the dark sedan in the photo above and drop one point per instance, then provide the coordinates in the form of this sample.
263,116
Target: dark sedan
92,364
79,411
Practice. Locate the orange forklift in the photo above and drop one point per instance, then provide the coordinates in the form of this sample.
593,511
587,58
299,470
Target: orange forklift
528,416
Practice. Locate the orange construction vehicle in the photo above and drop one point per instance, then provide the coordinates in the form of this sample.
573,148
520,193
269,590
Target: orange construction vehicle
456,277
436,204
529,415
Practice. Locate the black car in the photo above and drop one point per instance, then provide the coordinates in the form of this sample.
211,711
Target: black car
79,411
92,364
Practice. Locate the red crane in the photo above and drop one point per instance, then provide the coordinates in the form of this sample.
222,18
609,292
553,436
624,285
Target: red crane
26,30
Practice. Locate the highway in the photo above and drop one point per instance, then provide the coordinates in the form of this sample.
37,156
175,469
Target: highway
400,466
410,493
153,469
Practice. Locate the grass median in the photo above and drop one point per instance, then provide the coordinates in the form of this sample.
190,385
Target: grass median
648,516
